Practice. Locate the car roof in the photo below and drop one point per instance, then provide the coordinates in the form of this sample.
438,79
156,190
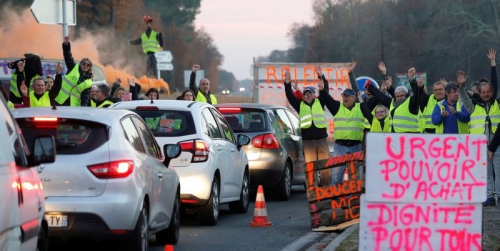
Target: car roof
162,104
251,105
101,115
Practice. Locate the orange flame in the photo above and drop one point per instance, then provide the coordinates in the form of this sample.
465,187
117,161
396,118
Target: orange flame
23,34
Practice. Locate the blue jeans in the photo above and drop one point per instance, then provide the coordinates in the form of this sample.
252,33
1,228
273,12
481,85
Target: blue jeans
338,150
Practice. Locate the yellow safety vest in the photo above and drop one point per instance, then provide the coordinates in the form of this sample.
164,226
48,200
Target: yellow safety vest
149,44
349,124
478,123
309,114
70,89
403,120
463,128
42,102
201,98
10,105
13,84
92,103
426,118
106,102
377,127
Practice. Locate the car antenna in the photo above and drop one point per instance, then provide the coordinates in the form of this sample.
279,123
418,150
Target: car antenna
54,107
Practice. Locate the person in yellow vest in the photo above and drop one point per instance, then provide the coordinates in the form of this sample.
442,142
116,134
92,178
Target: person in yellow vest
150,40
380,122
23,89
312,123
428,103
449,116
27,69
202,93
103,100
77,83
484,119
39,96
349,119
404,109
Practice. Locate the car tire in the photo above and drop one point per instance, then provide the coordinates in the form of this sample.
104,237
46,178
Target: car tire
208,215
43,240
171,234
284,188
140,236
241,206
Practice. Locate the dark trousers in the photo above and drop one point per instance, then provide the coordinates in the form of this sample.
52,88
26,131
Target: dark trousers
151,68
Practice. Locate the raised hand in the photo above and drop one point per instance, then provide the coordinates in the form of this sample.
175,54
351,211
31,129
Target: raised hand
420,81
492,55
360,96
288,77
389,82
319,71
352,66
443,80
382,68
119,80
66,40
24,89
131,82
295,85
461,78
321,85
196,67
411,73
59,68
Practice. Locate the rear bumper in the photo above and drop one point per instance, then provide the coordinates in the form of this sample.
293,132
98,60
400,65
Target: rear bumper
267,170
196,182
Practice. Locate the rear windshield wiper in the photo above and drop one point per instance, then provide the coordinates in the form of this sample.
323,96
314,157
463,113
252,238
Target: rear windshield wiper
66,145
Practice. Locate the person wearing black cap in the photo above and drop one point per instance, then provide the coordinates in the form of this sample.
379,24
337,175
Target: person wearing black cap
349,119
312,123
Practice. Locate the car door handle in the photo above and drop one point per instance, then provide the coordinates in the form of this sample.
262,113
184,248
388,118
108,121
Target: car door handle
160,175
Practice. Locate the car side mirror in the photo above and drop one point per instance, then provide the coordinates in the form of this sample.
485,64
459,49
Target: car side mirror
243,140
44,151
171,151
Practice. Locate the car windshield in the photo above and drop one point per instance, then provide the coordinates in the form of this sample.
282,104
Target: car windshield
72,136
246,120
168,123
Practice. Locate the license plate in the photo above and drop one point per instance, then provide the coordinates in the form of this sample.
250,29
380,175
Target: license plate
57,220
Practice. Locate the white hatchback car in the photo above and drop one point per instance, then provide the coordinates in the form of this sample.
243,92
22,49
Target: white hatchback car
22,204
213,167
110,180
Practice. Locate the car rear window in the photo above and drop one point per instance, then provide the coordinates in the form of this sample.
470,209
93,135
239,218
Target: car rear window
72,136
168,123
246,120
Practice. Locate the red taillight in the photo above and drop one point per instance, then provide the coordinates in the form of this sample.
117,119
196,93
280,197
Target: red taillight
142,108
229,109
267,141
118,231
198,148
112,170
45,119
44,122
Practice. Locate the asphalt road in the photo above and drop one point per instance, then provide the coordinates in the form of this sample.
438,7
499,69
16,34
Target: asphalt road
290,230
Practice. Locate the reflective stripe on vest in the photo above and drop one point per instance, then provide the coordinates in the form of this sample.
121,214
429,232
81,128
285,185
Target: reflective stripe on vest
201,98
403,120
463,128
106,102
426,118
349,124
70,89
478,122
44,100
310,114
149,44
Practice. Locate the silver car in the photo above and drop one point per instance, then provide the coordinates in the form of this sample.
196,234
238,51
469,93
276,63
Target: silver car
109,180
275,155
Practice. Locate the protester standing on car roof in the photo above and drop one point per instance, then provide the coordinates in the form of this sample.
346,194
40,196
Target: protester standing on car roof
27,69
202,93
77,83
150,41
312,122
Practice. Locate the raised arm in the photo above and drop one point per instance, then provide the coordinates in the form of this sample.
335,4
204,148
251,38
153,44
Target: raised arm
364,109
54,91
68,57
378,95
494,77
192,80
418,89
294,101
352,78
464,97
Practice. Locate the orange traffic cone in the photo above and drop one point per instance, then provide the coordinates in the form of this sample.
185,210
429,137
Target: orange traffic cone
346,175
260,212
169,247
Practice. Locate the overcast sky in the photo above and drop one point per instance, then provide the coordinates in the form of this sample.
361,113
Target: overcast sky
242,30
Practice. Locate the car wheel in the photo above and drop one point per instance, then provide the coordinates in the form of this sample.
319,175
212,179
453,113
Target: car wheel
171,234
209,214
241,206
284,189
43,240
140,236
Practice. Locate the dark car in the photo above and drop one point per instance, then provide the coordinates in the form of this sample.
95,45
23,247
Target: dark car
275,154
